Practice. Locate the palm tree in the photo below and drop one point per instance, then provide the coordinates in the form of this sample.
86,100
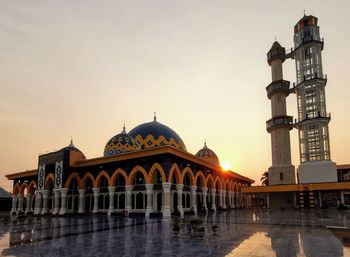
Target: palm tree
265,179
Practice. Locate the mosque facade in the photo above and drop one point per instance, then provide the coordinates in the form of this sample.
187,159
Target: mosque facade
147,171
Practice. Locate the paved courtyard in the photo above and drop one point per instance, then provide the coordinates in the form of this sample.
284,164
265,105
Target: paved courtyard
240,233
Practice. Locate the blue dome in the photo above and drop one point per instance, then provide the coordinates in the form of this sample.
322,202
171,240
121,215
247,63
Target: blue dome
120,143
154,133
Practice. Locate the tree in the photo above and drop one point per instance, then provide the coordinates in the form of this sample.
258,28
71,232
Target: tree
265,179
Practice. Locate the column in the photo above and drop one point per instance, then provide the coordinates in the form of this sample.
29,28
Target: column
96,193
166,199
38,202
220,198
237,200
45,208
205,192
81,208
111,191
29,203
128,195
56,209
193,199
229,199
20,203
224,199
233,199
180,209
149,207
14,203
213,205
64,192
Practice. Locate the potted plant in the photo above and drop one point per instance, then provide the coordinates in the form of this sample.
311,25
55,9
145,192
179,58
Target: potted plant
176,228
198,232
214,227
194,222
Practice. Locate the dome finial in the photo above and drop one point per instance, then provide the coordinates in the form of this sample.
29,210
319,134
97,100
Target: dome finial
71,141
205,143
155,117
124,131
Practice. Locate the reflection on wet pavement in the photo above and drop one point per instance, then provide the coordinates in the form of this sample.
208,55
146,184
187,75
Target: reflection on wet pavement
240,233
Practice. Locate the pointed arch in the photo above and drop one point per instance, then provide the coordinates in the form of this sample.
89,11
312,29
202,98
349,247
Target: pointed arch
218,182
226,185
16,189
135,170
175,170
71,177
235,187
201,176
190,173
31,187
85,178
103,173
231,185
156,166
210,181
49,178
24,186
115,175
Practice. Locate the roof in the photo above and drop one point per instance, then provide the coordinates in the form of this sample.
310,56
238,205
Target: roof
139,154
156,151
21,174
297,187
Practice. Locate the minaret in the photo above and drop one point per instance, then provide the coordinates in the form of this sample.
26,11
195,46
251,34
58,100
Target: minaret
282,171
313,119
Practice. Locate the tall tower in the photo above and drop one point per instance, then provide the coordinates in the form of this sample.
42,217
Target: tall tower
282,171
313,119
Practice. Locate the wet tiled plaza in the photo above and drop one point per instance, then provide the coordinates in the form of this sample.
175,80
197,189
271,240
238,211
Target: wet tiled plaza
240,233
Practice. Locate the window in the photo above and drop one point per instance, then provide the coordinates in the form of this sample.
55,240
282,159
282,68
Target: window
281,175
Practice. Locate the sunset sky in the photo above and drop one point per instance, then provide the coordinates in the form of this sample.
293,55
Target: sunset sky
82,68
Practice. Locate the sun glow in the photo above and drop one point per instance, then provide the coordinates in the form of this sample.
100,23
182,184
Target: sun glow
225,165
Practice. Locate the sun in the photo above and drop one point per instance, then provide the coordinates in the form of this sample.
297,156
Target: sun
225,165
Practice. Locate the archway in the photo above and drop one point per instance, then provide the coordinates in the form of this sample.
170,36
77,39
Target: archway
88,184
49,185
118,180
73,195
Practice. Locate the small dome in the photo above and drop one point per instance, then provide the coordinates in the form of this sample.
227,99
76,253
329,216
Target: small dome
154,133
121,143
71,147
207,154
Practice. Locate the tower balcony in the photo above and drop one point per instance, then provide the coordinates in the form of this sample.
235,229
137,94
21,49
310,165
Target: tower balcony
312,118
320,79
309,39
276,52
279,122
278,86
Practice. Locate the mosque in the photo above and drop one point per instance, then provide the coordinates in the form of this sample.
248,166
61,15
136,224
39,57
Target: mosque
147,171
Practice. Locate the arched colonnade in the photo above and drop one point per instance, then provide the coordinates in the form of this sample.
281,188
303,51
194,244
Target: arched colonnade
141,191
